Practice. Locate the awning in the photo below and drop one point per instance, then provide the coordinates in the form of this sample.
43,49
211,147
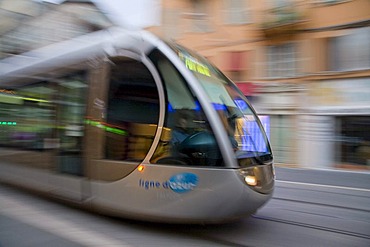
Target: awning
248,88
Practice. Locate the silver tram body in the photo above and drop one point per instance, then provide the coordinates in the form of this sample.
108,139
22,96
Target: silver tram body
112,150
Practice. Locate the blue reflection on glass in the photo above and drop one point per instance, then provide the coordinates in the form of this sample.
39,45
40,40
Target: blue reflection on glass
251,136
241,104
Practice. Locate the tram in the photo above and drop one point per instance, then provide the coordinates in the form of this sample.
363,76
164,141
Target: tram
127,124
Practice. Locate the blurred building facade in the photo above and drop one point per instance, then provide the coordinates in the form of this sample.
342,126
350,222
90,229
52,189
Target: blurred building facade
304,64
26,25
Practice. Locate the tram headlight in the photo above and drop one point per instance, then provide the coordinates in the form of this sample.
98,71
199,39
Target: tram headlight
248,176
258,178
250,180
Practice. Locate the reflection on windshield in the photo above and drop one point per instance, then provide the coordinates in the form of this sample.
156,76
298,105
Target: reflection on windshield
249,135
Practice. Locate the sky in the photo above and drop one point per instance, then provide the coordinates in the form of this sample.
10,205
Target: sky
130,14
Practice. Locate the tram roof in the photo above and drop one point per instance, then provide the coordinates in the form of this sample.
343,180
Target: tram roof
71,51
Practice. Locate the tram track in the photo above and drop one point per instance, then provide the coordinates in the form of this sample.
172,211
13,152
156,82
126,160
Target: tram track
218,240
322,204
312,226
325,186
341,193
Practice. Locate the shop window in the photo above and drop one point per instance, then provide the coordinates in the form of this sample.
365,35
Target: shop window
355,140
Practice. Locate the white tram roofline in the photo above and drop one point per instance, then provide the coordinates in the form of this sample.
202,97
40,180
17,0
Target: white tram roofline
68,52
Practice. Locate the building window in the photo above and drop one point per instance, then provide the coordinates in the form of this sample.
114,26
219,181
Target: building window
235,65
281,3
237,12
328,1
351,51
199,19
282,60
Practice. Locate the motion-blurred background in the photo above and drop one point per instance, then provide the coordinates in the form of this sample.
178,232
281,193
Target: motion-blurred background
305,65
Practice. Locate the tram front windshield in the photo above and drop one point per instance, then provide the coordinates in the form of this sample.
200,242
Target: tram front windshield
245,130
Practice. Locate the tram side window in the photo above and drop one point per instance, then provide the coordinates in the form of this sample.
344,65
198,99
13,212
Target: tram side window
26,117
45,116
132,112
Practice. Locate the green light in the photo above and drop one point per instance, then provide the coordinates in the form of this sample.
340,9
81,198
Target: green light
106,128
7,123
33,99
115,131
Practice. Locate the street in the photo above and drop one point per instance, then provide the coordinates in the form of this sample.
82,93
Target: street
309,208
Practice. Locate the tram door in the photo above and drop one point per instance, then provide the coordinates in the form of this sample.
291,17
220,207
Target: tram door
71,111
125,105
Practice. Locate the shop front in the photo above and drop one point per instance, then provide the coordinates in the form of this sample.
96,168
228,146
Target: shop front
335,124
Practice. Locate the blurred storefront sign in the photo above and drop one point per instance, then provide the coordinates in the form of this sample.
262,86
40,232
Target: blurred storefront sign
339,93
278,97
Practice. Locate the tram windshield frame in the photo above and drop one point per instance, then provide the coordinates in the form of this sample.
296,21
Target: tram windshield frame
247,134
